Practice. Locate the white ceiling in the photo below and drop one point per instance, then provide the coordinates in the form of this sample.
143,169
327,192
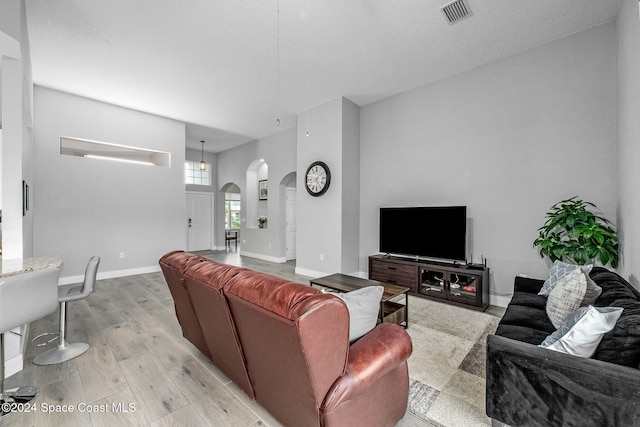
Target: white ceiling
214,64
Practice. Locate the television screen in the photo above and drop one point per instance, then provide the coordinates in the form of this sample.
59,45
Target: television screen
432,232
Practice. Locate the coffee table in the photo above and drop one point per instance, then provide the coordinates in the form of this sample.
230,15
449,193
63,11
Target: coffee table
390,311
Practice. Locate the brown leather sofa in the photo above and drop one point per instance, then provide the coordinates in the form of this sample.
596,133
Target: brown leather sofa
173,266
287,345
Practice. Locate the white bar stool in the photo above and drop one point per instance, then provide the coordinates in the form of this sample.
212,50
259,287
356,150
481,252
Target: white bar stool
65,351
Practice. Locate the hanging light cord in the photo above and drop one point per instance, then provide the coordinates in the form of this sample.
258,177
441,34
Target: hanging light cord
307,61
278,66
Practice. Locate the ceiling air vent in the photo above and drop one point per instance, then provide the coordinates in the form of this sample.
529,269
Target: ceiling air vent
456,11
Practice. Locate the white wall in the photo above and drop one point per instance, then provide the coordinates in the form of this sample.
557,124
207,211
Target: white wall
16,146
13,245
85,207
326,223
507,139
16,94
350,221
628,37
279,153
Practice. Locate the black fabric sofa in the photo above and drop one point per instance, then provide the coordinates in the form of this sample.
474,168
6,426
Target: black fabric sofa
527,385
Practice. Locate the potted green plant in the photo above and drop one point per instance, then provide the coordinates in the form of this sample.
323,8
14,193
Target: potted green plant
573,233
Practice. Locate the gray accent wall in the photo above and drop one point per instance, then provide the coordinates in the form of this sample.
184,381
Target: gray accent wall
508,140
85,207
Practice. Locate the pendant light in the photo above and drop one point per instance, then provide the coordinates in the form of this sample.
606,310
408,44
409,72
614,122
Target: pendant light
203,164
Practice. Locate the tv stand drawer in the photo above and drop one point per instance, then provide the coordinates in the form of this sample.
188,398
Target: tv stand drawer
393,272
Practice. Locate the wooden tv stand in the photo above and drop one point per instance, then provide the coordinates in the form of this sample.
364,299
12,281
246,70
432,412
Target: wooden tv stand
459,284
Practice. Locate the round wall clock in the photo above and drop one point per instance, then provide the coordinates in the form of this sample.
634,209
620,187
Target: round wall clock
318,178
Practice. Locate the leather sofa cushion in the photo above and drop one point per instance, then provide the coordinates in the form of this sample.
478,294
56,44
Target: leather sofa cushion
173,265
283,298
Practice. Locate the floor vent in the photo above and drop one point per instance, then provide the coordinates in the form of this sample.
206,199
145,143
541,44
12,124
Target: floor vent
456,11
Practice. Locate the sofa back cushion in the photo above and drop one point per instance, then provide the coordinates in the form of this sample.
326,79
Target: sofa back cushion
526,319
622,344
173,266
205,283
295,340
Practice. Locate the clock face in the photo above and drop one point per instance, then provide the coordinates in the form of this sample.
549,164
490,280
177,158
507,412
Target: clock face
318,178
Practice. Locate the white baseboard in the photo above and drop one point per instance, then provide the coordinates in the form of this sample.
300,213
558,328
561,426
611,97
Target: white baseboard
279,260
316,274
499,300
111,274
310,273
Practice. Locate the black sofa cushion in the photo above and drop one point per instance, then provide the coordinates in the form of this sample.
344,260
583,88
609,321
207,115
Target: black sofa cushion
622,344
526,319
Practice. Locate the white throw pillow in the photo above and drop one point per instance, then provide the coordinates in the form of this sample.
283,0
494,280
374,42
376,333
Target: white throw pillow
582,331
364,307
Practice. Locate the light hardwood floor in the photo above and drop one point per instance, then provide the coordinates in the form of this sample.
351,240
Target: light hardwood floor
139,370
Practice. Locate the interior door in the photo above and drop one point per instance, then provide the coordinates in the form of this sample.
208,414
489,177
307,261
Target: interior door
199,221
291,224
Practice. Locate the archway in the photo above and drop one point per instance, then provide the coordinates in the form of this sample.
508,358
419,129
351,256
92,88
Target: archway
257,200
231,223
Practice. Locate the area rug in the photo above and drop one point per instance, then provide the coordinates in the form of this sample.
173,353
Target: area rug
421,396
447,366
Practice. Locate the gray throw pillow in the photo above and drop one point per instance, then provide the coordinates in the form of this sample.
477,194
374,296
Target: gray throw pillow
558,270
582,330
593,292
364,307
566,296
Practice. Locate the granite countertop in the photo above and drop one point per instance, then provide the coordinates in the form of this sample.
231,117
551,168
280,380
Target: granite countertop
12,267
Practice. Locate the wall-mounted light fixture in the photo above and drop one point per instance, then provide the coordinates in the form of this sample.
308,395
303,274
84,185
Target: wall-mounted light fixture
107,151
203,164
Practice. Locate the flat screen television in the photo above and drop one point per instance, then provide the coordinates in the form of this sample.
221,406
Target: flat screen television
431,232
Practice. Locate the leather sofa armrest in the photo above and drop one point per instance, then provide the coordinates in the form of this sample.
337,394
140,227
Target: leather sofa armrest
530,385
528,285
370,358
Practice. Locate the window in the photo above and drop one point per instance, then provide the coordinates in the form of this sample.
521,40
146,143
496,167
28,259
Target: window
193,174
231,214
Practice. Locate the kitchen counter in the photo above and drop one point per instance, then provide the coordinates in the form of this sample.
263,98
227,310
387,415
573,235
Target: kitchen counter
12,267
15,344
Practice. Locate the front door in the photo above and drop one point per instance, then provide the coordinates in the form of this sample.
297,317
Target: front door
199,221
